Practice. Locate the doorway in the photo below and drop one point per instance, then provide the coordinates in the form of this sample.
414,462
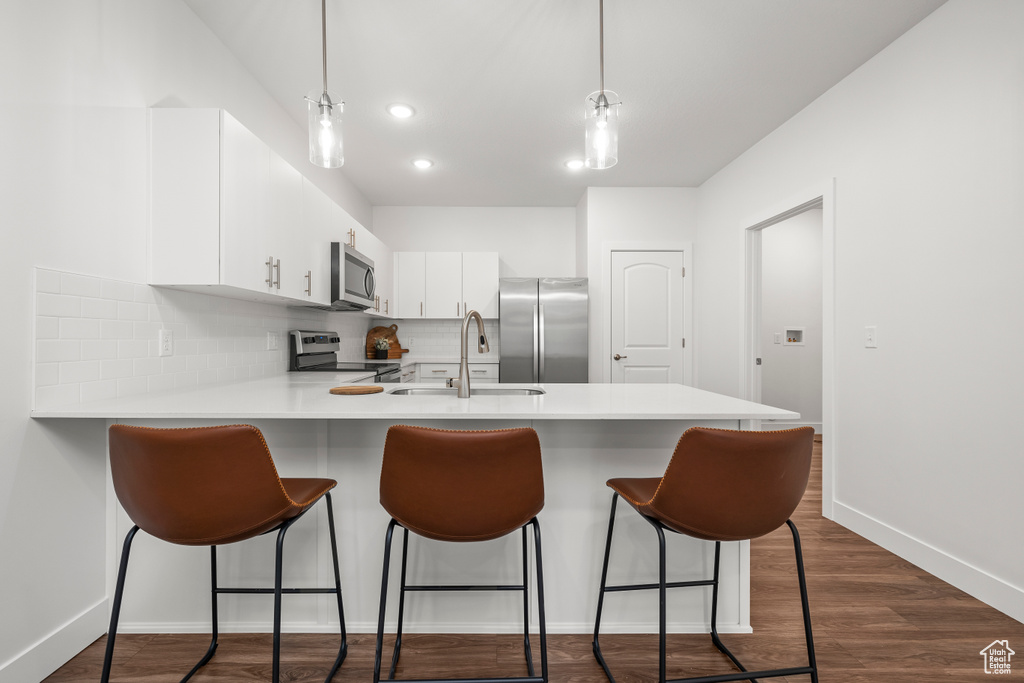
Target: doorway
812,199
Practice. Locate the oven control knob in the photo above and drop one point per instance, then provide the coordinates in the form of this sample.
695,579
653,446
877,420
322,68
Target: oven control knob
308,340
335,340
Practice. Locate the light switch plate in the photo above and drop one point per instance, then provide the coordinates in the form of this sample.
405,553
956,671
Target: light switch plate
778,337
272,341
870,337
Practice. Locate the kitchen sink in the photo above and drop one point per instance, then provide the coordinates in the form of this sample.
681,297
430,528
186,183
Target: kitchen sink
473,391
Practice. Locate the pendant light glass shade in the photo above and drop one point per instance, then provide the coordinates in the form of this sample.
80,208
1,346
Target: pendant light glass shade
325,148
602,129
325,143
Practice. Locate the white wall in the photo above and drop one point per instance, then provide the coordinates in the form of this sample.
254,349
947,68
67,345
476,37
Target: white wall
641,217
531,241
77,76
791,297
926,145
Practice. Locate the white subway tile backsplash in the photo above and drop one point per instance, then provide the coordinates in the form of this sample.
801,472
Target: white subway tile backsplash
76,372
47,281
79,328
118,291
97,338
80,285
129,310
47,374
54,350
117,329
58,305
116,369
99,390
47,327
99,308
99,349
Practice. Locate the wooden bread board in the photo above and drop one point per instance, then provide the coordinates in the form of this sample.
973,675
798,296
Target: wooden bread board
356,389
394,351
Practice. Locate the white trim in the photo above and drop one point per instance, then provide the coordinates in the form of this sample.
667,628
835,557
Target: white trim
774,425
51,652
976,582
822,195
606,325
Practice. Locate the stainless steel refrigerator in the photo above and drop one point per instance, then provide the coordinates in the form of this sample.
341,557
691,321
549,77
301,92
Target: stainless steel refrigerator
542,325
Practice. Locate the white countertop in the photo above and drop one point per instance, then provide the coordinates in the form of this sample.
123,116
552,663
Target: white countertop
305,396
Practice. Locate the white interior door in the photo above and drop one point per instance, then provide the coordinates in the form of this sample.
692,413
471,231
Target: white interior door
647,317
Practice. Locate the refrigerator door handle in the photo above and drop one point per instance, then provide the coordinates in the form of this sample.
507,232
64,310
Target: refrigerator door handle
536,337
540,356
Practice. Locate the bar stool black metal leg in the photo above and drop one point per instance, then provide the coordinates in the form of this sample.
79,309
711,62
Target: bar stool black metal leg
343,649
805,605
540,604
526,608
383,602
662,604
714,612
214,619
401,605
115,611
600,595
275,675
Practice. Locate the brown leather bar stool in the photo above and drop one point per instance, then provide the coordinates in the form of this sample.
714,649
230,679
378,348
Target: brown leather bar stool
720,485
462,486
212,486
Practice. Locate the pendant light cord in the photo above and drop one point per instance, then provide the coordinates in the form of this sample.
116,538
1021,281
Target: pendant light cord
602,44
323,27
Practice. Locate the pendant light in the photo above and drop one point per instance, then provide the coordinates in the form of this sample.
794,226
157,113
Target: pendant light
325,145
602,120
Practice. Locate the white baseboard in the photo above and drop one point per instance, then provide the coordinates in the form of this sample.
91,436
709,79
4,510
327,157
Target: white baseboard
991,590
50,653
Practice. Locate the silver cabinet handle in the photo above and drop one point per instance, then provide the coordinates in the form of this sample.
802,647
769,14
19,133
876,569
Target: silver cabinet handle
270,271
309,283
421,309
618,357
385,306
439,371
478,371
352,238
456,308
277,267
376,303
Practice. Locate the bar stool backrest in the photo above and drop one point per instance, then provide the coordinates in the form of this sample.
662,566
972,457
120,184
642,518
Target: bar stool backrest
199,486
726,485
461,485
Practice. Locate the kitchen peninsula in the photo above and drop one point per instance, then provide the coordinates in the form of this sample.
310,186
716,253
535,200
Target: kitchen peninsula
588,434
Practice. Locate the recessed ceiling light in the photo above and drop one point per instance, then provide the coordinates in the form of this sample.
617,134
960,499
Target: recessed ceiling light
422,163
401,111
574,164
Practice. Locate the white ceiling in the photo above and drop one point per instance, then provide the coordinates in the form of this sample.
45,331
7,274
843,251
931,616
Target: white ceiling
499,85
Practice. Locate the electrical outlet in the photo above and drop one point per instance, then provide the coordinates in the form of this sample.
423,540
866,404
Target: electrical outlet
411,341
272,341
778,337
870,337
166,339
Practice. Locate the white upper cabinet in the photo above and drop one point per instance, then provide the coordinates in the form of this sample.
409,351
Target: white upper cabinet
443,284
480,283
230,216
442,292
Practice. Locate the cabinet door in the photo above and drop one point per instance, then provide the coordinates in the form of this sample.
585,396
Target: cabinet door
284,213
443,284
245,232
315,239
410,278
383,265
480,283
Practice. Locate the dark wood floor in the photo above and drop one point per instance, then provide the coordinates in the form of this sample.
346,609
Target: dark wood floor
876,619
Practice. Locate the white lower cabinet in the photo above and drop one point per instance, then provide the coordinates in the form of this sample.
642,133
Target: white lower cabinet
484,373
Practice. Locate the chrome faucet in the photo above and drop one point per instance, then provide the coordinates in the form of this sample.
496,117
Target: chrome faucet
482,346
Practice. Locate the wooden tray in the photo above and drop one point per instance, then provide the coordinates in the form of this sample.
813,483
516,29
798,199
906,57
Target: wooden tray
389,333
357,389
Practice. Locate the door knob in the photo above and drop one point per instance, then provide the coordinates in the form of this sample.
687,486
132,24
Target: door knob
618,357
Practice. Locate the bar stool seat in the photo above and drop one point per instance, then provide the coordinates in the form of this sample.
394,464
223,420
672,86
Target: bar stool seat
720,485
462,486
212,486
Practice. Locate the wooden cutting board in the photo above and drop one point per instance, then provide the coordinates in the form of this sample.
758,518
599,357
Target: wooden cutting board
389,333
357,389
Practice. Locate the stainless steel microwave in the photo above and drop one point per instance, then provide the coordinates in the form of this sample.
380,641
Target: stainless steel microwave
352,282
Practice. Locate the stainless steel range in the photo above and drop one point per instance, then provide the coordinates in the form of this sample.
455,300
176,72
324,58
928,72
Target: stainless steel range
317,351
